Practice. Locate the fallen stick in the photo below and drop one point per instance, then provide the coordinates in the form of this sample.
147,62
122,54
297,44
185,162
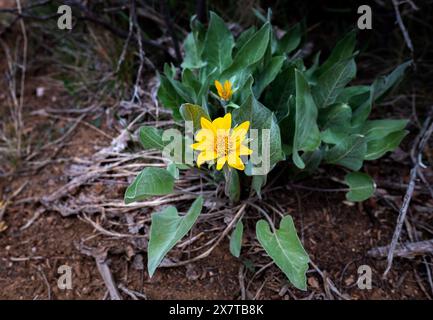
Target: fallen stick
405,250
100,256
416,153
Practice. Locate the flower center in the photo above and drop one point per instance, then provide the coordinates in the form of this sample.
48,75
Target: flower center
222,144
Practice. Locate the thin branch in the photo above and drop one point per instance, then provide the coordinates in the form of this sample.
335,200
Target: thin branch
403,29
410,249
417,152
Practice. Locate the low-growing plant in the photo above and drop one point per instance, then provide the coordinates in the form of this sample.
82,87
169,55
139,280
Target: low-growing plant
252,103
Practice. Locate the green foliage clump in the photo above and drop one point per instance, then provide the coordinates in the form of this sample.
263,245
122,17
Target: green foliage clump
313,114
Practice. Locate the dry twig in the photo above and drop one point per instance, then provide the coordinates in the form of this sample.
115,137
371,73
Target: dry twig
417,152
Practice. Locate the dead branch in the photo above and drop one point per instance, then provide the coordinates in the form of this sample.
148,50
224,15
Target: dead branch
100,256
417,151
403,29
406,250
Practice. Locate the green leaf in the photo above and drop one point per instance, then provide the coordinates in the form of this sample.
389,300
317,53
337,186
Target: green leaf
278,95
379,129
151,138
183,91
174,170
285,249
290,41
261,117
236,239
354,95
232,186
218,45
306,135
251,52
192,85
169,97
268,75
383,84
377,148
312,160
331,83
337,116
192,58
343,50
349,152
192,112
378,89
244,37
361,186
166,230
149,182
257,182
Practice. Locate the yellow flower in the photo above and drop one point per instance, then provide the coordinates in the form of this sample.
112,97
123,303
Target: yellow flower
217,140
225,92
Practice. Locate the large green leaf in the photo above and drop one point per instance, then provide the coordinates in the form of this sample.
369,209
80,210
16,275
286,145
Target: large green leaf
244,37
218,45
268,75
260,118
193,45
166,230
378,89
149,182
285,249
384,83
354,95
151,138
306,135
312,160
236,239
379,129
377,148
192,85
192,59
251,52
361,186
169,96
337,116
290,41
331,83
192,112
343,50
278,95
349,152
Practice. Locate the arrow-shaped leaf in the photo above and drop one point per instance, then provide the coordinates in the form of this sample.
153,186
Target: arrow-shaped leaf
166,230
361,186
285,248
149,182
236,239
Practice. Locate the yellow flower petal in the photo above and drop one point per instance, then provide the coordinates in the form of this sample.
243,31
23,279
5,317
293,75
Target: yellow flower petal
223,122
244,150
227,86
219,88
205,156
240,131
226,92
220,162
235,161
206,124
